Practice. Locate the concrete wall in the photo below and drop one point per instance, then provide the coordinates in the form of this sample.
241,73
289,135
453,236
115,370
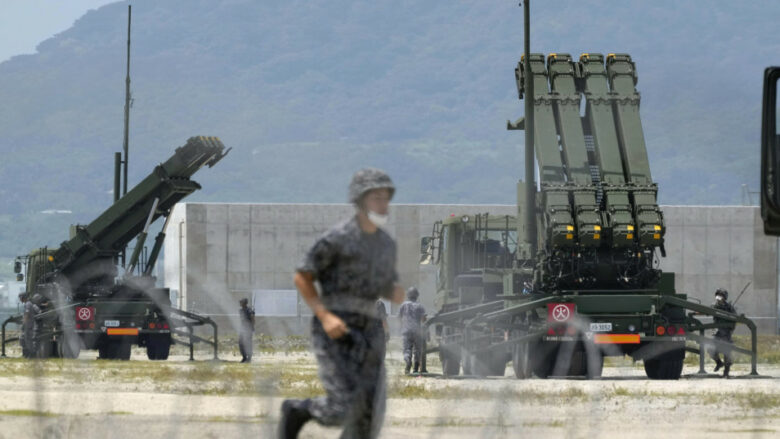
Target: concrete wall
218,253
712,247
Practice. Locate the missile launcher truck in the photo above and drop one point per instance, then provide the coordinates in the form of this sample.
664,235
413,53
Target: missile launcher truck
574,276
85,302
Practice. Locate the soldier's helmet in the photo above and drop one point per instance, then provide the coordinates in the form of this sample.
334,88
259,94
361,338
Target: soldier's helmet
412,293
722,292
366,180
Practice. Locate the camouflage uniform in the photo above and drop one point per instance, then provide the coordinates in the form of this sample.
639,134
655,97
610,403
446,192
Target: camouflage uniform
354,269
245,344
411,314
30,329
724,335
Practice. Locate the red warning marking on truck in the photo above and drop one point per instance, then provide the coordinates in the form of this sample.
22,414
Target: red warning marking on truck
560,312
85,313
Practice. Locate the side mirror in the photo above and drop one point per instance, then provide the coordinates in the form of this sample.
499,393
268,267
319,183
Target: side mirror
19,277
425,245
770,154
17,267
426,250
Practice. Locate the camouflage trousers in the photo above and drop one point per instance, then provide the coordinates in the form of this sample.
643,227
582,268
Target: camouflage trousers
715,351
245,344
352,372
413,346
27,340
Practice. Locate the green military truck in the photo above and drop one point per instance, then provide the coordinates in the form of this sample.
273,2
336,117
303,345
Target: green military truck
574,276
85,302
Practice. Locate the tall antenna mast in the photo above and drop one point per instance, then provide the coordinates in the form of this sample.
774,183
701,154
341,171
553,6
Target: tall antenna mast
530,183
126,145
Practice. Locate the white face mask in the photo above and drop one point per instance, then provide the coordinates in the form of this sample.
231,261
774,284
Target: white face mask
377,219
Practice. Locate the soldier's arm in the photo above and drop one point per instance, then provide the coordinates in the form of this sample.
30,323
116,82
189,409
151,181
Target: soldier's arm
331,323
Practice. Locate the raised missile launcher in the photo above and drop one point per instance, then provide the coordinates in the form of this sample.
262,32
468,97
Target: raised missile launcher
573,278
85,302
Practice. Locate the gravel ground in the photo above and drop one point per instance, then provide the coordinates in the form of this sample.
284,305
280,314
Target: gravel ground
88,398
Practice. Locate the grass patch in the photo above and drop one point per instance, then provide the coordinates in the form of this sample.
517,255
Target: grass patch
32,413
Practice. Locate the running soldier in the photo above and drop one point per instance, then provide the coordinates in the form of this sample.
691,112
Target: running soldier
354,263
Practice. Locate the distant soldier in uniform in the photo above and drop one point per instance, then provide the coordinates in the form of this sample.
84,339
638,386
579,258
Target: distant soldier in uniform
412,315
723,334
38,304
28,315
245,345
354,263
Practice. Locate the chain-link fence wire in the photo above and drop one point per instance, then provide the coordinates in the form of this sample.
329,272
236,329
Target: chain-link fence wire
207,397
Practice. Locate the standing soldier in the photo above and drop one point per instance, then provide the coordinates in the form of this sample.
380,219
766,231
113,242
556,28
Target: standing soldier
37,304
354,263
412,315
247,314
723,334
28,315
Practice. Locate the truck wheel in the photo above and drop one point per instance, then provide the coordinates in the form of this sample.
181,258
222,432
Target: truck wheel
104,351
46,348
520,361
123,349
498,364
115,349
543,356
450,363
151,348
69,347
466,362
667,366
158,346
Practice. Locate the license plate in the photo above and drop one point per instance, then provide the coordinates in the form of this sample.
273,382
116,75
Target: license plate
111,323
600,327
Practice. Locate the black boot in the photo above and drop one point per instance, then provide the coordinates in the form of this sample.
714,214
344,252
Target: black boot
718,365
293,418
726,370
416,367
407,367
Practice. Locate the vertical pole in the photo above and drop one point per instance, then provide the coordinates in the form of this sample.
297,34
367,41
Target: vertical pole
125,145
216,340
117,175
702,352
530,184
192,343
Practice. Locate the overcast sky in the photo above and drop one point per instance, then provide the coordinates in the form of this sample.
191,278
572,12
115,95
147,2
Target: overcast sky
25,23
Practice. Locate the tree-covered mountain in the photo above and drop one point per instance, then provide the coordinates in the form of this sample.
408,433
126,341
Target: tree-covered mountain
306,92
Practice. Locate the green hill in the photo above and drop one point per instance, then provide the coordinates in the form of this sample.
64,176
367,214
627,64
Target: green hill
308,91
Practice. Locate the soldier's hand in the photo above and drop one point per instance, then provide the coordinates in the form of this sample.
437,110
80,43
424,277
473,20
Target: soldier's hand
334,326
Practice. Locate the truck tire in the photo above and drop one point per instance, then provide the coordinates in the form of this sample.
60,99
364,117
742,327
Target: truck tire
123,348
543,357
581,365
69,348
158,346
493,364
450,363
667,366
466,361
115,349
521,362
46,348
